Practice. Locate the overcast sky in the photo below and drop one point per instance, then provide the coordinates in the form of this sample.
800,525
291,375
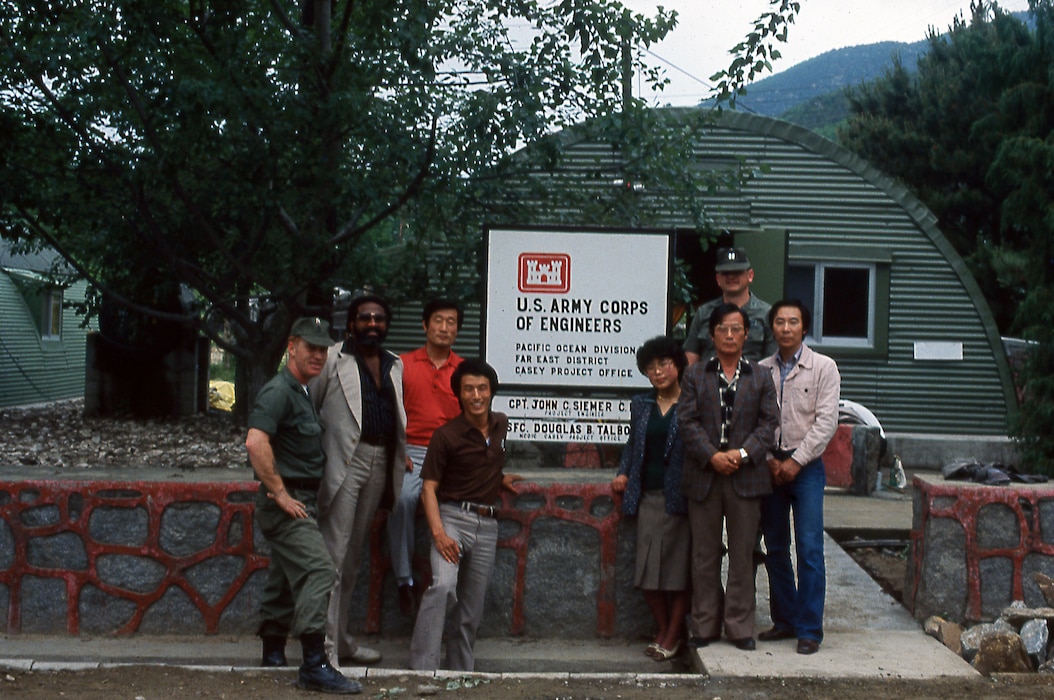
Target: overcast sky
706,30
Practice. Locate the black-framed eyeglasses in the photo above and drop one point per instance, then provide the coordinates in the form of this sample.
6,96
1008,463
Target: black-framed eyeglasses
366,317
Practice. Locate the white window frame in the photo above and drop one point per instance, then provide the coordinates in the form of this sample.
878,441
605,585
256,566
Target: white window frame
816,335
51,314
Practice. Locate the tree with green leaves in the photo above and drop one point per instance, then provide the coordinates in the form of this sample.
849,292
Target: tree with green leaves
259,152
971,135
263,149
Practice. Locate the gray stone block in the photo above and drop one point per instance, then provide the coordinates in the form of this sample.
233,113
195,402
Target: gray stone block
213,577
113,525
64,550
562,556
241,615
41,516
602,506
1046,519
7,547
942,584
102,613
997,578
997,527
632,617
236,530
44,605
174,613
497,611
130,572
5,602
188,528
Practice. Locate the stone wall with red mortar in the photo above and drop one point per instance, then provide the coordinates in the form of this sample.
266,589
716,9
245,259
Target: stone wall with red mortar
974,548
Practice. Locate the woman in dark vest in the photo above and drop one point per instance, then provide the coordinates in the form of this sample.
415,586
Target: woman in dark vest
649,477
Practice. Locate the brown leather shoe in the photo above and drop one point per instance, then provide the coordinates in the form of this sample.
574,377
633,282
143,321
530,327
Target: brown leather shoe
808,646
775,634
407,600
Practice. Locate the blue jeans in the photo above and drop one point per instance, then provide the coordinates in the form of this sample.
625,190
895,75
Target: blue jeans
796,606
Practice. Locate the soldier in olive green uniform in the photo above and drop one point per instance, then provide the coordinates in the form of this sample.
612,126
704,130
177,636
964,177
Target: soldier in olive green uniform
734,276
285,450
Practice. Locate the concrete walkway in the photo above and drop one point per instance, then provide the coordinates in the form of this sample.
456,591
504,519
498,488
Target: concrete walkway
867,633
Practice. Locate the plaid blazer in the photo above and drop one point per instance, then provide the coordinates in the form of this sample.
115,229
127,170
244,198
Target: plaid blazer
754,420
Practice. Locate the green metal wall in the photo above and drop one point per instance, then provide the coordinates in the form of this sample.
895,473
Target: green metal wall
815,196
34,370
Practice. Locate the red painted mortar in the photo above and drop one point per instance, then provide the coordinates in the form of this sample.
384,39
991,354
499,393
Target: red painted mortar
75,501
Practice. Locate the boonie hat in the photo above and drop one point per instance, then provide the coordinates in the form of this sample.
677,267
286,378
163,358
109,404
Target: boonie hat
731,260
312,329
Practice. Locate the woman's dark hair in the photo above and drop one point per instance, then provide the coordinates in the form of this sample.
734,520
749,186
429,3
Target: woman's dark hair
660,348
477,368
725,309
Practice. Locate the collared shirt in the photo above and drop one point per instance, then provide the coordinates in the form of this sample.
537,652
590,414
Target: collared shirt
785,367
760,341
378,403
727,397
427,395
283,411
808,401
467,467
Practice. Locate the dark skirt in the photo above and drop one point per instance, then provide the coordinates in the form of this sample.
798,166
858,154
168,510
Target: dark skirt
664,546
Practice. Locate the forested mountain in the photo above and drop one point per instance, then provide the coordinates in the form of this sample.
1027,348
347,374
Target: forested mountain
812,92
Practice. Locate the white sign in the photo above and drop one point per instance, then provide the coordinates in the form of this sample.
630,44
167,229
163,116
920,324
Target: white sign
570,308
938,350
542,430
558,407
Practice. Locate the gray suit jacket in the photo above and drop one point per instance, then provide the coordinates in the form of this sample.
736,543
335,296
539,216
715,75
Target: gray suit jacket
337,395
753,428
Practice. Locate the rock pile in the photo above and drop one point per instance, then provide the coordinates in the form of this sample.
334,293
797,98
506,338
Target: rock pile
1018,642
56,438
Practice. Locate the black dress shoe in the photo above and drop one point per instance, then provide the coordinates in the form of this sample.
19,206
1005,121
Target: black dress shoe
775,634
745,644
808,646
700,642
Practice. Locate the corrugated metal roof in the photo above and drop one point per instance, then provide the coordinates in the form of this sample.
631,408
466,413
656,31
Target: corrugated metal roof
823,195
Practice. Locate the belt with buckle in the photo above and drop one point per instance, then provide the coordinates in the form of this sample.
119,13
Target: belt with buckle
477,508
375,440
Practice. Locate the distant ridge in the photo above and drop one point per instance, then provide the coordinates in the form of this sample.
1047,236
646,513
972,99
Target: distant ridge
812,93
829,72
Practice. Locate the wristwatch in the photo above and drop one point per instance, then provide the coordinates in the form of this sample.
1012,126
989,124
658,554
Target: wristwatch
743,456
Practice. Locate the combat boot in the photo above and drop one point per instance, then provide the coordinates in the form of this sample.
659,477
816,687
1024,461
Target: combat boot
316,673
273,650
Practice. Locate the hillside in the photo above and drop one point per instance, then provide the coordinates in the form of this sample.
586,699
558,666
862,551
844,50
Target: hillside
830,72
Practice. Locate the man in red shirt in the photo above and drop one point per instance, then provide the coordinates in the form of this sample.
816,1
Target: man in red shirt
429,403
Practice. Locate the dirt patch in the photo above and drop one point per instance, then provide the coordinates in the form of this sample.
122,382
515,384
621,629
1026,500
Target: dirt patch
162,682
887,565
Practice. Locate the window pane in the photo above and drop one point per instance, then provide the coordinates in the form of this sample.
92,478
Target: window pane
800,283
846,302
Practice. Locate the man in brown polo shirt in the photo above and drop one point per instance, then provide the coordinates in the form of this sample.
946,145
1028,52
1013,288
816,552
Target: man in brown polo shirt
462,481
